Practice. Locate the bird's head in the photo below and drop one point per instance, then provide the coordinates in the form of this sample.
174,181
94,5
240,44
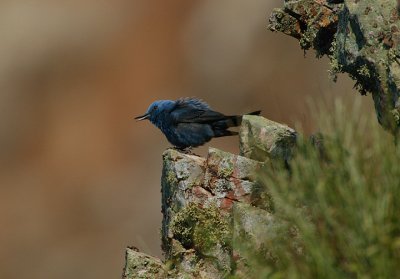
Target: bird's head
155,109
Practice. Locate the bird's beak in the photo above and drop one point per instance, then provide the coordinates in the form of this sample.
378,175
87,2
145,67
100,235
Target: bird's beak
143,117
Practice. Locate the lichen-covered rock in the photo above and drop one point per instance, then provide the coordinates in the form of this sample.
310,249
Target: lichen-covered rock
226,165
142,266
312,22
230,178
261,139
361,38
187,264
256,228
201,237
197,197
194,232
182,174
258,232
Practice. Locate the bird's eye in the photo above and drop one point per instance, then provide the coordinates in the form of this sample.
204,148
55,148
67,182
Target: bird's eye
155,107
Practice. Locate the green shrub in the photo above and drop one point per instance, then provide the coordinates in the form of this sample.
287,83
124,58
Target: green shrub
342,200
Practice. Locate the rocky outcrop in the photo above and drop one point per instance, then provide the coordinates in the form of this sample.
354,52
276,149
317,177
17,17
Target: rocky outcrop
361,38
211,205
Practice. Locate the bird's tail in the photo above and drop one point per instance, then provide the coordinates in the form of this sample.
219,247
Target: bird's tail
257,112
220,127
224,133
236,120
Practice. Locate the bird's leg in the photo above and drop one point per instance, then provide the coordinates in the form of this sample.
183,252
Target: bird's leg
189,150
185,150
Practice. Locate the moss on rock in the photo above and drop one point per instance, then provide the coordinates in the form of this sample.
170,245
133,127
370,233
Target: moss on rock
200,228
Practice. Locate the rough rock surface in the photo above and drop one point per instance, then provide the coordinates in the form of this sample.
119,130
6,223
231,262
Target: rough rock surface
197,198
209,204
261,139
139,265
361,38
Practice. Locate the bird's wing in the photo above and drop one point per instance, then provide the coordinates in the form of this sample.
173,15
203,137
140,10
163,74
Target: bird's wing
192,102
190,110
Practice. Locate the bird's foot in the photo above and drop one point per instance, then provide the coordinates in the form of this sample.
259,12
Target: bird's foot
187,150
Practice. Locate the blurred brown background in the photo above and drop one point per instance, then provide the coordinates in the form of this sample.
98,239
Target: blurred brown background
79,179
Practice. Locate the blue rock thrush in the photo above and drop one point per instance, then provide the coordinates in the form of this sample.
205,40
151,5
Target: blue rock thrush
190,122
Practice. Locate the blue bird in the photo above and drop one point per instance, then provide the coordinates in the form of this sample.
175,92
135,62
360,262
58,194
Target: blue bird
190,122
